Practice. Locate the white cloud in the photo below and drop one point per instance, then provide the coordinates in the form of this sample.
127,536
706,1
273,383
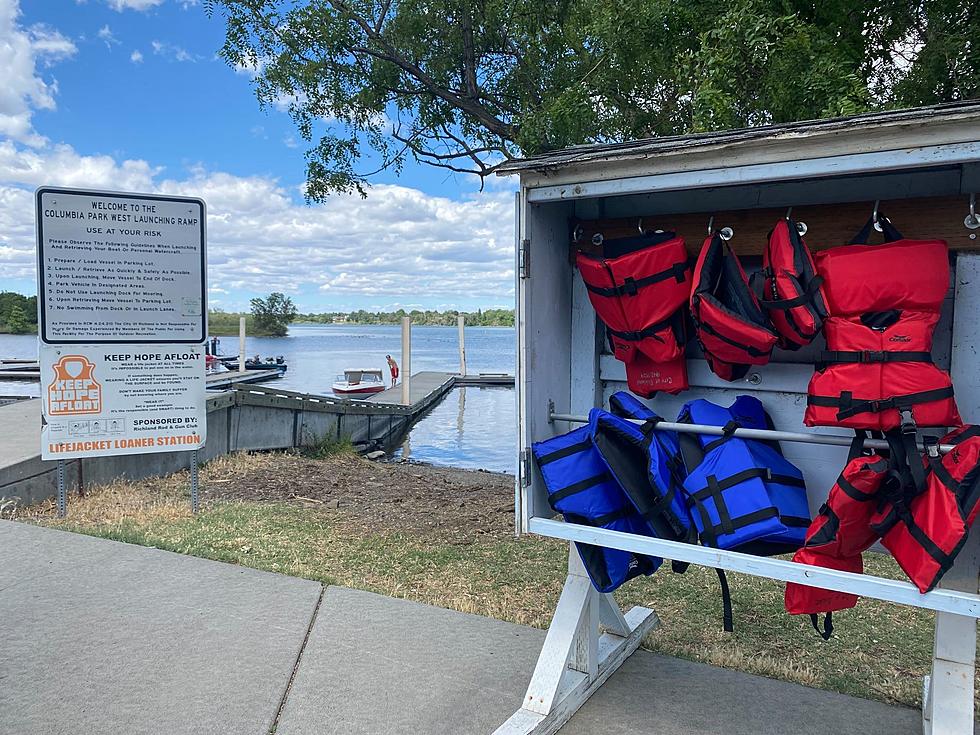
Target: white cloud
399,244
136,57
23,89
105,33
138,5
177,53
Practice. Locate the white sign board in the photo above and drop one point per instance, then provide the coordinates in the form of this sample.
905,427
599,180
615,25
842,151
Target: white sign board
101,400
120,268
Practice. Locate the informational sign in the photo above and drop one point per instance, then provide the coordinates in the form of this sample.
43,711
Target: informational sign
122,316
103,400
120,268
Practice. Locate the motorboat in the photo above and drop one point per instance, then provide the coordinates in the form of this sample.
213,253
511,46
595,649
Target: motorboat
256,363
359,381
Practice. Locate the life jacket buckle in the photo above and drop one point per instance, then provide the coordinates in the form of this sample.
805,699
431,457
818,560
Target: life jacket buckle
629,286
872,356
908,421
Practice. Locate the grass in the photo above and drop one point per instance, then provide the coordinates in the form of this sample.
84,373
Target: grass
328,446
879,651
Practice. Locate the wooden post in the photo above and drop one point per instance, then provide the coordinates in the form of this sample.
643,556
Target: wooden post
406,360
241,344
460,324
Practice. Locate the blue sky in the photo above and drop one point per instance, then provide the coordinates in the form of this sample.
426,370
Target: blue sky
129,94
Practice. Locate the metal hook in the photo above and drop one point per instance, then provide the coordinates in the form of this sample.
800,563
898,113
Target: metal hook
726,233
597,239
972,222
875,220
711,224
577,233
639,226
789,211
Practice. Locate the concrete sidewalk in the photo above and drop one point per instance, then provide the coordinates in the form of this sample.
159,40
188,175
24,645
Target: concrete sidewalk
98,636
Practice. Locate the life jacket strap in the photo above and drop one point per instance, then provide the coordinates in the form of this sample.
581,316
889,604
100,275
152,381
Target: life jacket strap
849,406
750,350
872,356
651,331
828,625
728,620
716,486
631,286
564,452
804,298
578,487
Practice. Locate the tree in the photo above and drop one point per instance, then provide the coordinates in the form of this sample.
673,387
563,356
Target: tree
466,84
272,315
17,322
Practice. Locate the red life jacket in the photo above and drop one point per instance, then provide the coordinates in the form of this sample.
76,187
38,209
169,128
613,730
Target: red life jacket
790,289
730,325
838,535
638,288
925,530
884,302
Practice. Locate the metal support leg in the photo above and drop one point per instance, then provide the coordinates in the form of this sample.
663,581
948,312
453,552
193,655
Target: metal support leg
589,638
194,483
947,696
62,490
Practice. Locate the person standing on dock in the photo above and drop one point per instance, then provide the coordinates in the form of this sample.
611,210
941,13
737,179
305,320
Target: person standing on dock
393,367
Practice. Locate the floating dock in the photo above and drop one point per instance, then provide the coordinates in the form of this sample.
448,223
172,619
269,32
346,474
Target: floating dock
217,381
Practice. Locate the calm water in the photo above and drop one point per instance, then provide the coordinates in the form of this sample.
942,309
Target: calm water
472,427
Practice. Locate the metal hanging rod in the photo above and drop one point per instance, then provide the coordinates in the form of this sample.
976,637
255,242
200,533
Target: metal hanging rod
835,440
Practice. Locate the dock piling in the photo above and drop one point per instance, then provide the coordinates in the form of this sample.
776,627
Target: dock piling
241,344
406,370
460,324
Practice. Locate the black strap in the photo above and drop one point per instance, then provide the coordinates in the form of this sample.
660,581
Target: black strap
969,432
651,331
753,351
630,285
739,477
857,448
728,431
828,625
871,356
805,297
728,620
849,406
578,487
887,229
599,521
564,452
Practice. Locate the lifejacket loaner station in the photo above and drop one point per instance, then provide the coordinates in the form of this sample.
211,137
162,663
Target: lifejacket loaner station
921,167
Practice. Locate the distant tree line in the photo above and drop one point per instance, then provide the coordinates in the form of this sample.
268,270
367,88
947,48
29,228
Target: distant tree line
18,314
478,318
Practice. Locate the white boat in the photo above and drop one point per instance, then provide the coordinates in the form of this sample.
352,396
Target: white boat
359,381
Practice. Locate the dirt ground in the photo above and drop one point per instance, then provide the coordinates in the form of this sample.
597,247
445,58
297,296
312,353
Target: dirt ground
456,505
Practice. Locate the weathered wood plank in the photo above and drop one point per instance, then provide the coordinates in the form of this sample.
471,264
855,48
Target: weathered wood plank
829,224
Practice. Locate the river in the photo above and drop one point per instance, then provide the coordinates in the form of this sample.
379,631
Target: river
472,428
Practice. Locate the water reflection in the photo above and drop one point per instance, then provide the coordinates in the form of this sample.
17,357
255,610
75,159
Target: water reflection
474,429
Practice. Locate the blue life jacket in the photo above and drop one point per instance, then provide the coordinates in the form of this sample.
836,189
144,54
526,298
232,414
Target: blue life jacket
743,494
634,456
582,489
629,406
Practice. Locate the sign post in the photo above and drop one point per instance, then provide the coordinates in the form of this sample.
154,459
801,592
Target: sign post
122,311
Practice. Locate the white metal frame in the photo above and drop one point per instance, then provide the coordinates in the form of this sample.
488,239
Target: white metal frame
577,656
